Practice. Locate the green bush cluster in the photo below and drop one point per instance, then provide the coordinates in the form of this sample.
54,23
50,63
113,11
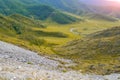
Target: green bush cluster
17,29
50,34
33,40
62,18
41,11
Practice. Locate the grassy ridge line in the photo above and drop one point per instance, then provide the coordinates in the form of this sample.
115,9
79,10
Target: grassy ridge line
37,10
102,17
103,51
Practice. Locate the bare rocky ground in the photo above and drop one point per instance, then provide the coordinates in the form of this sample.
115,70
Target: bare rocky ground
19,64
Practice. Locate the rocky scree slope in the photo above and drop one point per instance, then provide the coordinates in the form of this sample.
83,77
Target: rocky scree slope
20,64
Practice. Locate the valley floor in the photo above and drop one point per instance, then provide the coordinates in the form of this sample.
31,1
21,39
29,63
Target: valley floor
20,64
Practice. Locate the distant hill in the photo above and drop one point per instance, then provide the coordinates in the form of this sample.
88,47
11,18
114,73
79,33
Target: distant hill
44,12
74,6
112,32
39,10
84,7
66,5
112,11
44,9
99,48
104,7
101,17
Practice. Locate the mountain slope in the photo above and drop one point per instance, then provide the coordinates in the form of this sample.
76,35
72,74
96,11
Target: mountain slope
105,7
15,28
74,6
101,17
21,64
44,12
84,7
44,9
37,10
115,31
17,24
100,48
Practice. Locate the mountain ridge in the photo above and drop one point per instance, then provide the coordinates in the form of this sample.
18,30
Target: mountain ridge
36,10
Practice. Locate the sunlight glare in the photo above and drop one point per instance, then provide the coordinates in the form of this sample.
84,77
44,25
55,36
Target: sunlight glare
114,0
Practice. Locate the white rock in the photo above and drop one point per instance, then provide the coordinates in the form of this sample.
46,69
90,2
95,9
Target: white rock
0,68
14,77
19,67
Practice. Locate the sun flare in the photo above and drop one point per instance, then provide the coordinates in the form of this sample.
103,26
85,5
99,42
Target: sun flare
114,0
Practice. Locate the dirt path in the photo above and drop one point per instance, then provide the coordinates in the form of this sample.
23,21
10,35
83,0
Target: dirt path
74,30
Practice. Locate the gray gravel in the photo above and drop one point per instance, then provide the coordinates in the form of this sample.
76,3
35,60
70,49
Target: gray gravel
19,64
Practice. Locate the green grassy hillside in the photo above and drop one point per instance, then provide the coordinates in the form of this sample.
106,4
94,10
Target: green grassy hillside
98,52
101,17
106,33
19,6
9,6
43,12
45,25
26,32
34,34
17,23
72,6
36,10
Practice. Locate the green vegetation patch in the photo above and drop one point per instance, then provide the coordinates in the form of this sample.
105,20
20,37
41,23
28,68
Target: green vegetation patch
63,18
50,34
97,55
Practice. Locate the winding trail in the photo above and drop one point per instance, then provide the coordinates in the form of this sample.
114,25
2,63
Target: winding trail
19,64
74,30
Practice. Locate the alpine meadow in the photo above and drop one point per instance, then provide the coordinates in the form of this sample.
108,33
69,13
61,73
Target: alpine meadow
59,40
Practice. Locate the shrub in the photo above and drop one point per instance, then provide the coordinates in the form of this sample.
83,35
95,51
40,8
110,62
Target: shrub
63,18
50,34
17,28
33,40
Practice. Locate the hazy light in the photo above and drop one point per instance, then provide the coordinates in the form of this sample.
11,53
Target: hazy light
114,0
